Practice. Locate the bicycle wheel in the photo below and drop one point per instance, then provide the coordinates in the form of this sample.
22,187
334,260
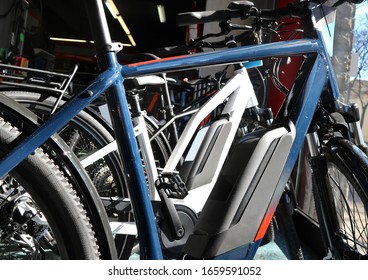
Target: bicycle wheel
347,181
41,214
84,134
88,132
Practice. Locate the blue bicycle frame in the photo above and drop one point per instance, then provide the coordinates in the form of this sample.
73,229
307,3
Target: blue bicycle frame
111,82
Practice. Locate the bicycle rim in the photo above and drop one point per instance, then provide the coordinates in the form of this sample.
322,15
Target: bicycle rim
347,169
83,134
41,213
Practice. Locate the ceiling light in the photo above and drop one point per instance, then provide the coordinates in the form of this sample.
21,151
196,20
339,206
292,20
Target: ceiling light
116,14
123,25
82,41
70,40
112,8
131,39
161,13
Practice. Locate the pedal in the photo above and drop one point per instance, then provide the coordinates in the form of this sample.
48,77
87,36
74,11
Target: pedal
172,184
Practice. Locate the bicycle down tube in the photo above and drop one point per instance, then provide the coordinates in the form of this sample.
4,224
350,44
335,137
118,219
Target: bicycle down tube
112,79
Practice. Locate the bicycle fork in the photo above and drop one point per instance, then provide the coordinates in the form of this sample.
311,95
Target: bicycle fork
318,164
321,183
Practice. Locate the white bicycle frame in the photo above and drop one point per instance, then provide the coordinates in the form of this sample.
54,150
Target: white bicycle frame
239,95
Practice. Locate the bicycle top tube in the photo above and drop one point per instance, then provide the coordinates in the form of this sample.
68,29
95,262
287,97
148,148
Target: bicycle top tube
228,56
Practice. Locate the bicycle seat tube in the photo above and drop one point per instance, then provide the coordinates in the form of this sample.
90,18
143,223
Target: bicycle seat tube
127,146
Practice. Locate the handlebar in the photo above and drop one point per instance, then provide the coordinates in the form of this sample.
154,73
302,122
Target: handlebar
246,9
242,10
184,19
296,10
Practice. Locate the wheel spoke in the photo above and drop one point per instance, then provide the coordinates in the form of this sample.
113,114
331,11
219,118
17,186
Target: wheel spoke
350,211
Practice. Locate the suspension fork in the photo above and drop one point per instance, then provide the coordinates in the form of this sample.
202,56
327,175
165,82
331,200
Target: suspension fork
322,194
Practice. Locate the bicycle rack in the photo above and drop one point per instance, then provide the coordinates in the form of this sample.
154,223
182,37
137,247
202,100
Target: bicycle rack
30,78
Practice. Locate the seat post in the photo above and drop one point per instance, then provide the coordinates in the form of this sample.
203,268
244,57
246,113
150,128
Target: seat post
100,30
